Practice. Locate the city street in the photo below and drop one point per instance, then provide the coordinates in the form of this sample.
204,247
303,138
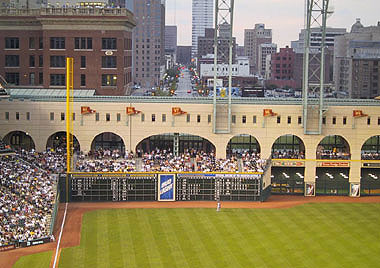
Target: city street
184,85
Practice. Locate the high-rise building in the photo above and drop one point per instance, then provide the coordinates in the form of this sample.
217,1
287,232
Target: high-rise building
149,42
34,44
184,54
206,45
202,18
171,37
282,68
316,38
253,38
357,62
264,50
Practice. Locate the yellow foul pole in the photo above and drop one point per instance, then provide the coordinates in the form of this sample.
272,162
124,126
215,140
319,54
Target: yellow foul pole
69,102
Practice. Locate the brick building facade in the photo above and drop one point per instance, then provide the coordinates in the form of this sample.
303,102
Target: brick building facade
35,43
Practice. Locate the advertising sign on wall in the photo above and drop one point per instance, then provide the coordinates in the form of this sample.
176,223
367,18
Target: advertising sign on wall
166,187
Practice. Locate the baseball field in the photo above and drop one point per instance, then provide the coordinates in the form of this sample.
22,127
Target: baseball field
308,235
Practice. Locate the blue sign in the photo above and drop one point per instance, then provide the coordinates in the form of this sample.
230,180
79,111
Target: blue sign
166,184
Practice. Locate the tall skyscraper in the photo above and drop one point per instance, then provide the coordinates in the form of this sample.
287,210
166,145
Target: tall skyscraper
202,18
149,42
171,37
253,38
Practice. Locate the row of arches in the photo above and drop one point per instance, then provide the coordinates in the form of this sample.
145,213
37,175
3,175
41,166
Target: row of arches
286,146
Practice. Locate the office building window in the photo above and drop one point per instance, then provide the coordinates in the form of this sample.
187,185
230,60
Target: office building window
51,116
108,61
254,119
109,79
32,44
40,43
83,61
108,117
12,78
163,117
12,42
278,119
118,117
188,118
289,119
40,78
209,118
368,120
83,43
57,80
334,120
142,117
6,115
40,61
32,61
324,120
344,120
73,116
198,118
96,117
62,116
153,118
17,116
12,61
109,43
28,116
82,80
58,61
299,120
57,43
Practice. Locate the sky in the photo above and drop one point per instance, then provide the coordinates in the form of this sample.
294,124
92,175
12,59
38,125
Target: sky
284,17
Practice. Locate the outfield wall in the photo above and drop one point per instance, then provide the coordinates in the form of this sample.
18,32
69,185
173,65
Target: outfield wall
116,187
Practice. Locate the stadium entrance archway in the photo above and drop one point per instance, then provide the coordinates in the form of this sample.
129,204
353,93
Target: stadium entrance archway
288,147
332,181
242,143
58,141
334,147
288,180
19,140
166,142
108,141
371,149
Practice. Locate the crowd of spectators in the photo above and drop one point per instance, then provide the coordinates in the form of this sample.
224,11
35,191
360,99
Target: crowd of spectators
166,161
52,161
288,154
252,162
370,156
333,154
26,201
4,148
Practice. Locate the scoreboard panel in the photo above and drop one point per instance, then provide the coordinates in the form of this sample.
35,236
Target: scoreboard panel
112,187
237,187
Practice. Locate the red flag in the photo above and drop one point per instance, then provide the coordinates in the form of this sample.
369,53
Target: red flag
177,111
86,110
358,113
132,110
268,112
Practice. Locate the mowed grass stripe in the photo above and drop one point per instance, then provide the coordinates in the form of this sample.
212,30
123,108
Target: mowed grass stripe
161,238
193,249
115,248
176,246
229,236
126,230
222,236
141,250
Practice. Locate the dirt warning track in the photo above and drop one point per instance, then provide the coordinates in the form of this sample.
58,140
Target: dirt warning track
75,212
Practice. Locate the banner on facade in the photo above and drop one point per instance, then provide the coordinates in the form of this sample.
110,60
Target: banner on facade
333,164
287,163
309,188
166,187
355,189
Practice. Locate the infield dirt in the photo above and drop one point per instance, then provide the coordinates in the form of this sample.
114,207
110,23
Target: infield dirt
75,212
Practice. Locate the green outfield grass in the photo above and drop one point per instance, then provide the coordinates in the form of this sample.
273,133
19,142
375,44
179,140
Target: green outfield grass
311,235
36,260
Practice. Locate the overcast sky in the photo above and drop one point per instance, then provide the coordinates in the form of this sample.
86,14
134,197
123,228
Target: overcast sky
284,17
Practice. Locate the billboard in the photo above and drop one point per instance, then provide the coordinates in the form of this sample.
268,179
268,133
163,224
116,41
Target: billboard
166,187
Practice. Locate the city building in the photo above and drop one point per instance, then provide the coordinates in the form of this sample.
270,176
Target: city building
149,42
170,45
184,54
264,50
253,38
35,43
316,38
282,68
202,18
239,51
357,62
240,68
206,45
